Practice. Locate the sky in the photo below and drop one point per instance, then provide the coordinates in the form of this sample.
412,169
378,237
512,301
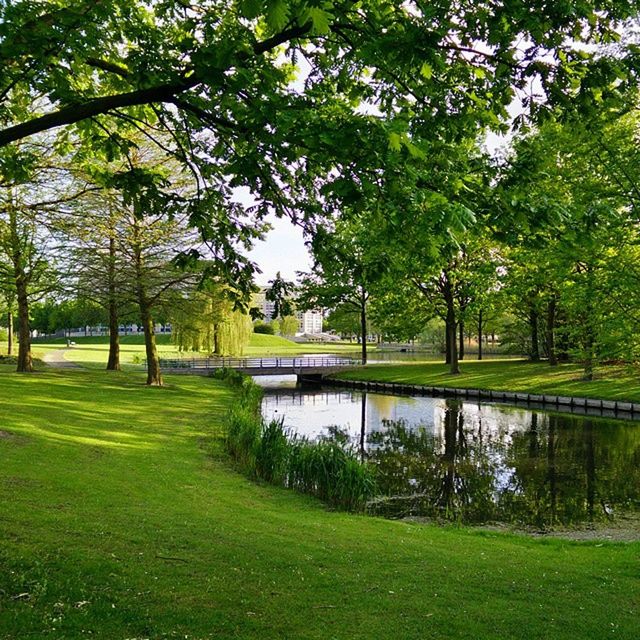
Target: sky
283,250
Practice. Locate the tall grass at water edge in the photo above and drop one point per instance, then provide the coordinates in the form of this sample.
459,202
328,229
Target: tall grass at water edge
327,469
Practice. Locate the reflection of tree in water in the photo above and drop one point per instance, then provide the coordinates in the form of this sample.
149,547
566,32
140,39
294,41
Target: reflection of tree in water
560,470
569,470
450,476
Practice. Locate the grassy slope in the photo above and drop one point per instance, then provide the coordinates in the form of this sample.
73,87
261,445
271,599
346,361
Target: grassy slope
118,525
262,344
611,383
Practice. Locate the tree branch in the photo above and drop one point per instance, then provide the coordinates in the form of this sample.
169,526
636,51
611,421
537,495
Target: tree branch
161,93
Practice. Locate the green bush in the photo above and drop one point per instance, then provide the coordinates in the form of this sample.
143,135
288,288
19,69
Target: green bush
264,327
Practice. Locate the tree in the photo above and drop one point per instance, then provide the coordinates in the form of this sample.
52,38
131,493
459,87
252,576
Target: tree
436,208
280,293
289,326
347,264
565,189
149,245
25,271
275,95
207,321
398,312
94,257
175,64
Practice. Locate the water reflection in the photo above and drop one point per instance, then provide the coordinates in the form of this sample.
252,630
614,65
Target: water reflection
476,462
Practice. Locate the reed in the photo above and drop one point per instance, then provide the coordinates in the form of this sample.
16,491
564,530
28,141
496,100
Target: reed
328,469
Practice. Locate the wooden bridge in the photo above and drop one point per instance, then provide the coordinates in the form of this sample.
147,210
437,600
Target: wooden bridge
305,367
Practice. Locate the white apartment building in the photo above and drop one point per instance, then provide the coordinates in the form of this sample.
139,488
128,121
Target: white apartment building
308,321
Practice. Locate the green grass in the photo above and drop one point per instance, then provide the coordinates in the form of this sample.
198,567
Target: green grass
263,344
610,383
120,517
92,352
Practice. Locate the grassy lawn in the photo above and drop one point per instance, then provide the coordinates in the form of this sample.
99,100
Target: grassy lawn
262,344
121,518
610,383
92,352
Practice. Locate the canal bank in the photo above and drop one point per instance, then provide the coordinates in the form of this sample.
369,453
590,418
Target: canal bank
612,383
589,406
479,461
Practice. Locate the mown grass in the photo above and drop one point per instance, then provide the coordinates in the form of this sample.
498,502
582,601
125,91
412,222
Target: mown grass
120,517
265,345
611,382
93,352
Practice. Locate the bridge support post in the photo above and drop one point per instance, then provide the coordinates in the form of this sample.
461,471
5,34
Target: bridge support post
309,378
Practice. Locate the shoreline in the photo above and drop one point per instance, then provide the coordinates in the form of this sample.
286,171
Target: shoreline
570,404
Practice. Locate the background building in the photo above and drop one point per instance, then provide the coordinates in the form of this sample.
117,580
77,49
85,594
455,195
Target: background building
308,321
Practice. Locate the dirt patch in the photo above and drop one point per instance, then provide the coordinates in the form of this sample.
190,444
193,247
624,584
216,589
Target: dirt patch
13,438
15,482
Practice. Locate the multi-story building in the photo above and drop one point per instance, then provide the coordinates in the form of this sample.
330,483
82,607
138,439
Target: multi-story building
308,321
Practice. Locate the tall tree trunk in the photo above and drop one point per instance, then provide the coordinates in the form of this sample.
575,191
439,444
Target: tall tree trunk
451,325
363,323
533,326
461,331
154,375
25,361
480,334
21,280
10,333
589,331
447,341
113,363
551,331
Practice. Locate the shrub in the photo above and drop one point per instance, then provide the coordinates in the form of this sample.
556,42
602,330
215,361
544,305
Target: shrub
263,327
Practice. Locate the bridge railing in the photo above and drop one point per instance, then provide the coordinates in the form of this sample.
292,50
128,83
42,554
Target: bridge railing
291,363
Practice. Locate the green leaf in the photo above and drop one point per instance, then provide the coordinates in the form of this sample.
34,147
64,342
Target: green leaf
426,71
320,19
251,9
479,72
395,141
278,14
414,151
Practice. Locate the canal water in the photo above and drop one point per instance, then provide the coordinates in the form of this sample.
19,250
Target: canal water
474,462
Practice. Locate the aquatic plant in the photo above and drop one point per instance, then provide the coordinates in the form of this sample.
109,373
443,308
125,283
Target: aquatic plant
328,469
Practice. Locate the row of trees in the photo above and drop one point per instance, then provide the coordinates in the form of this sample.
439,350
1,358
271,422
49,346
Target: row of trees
109,253
361,117
540,244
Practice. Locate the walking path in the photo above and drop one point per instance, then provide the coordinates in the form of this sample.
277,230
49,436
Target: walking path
56,359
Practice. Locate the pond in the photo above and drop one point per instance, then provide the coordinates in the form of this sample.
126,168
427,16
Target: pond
474,462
